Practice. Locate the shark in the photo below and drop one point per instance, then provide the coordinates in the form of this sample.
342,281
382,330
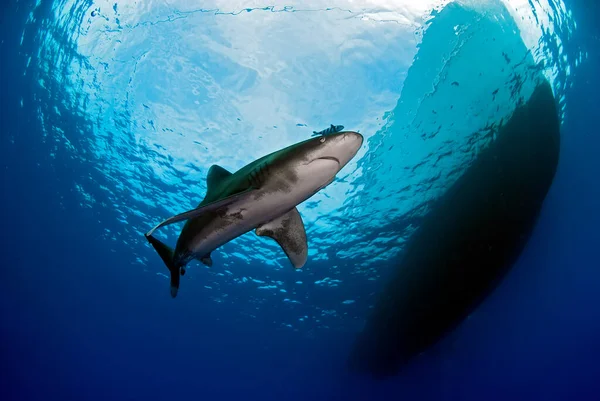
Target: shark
261,196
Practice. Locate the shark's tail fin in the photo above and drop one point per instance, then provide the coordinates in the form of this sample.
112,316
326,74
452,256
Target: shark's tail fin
166,254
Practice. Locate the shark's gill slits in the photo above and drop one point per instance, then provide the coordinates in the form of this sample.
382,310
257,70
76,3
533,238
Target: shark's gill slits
262,172
254,179
268,168
258,176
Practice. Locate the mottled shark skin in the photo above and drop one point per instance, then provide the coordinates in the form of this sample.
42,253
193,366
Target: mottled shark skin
263,196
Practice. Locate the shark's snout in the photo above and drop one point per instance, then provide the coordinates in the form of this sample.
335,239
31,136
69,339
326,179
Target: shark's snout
346,146
354,139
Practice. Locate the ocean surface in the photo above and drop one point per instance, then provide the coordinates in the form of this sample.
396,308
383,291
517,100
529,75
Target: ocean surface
112,112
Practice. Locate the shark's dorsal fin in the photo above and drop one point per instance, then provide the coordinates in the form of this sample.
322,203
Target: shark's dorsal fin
288,231
216,174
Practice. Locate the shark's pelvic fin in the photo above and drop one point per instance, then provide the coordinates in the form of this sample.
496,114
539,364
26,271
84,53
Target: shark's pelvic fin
206,259
166,254
190,214
288,231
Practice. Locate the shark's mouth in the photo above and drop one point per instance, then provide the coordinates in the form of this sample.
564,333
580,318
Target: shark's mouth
335,159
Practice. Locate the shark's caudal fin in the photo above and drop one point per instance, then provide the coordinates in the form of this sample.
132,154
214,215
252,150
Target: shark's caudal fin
166,254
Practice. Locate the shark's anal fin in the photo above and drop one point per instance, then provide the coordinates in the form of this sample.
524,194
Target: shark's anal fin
206,260
288,230
190,214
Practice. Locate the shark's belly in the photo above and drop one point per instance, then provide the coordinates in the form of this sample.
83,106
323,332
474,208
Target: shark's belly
242,217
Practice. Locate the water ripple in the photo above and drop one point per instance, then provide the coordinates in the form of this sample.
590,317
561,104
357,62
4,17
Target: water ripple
141,98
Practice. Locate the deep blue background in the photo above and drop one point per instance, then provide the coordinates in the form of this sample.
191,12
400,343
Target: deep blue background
78,323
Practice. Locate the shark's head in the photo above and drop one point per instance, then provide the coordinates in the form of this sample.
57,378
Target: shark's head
317,160
339,147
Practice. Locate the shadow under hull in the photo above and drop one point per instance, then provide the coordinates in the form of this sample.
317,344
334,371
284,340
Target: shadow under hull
467,243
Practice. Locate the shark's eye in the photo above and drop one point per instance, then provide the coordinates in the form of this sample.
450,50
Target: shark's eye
322,139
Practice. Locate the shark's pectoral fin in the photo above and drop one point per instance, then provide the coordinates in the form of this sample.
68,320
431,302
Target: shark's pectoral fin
210,207
288,231
206,259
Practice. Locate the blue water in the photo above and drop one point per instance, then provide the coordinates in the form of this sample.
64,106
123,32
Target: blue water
112,112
